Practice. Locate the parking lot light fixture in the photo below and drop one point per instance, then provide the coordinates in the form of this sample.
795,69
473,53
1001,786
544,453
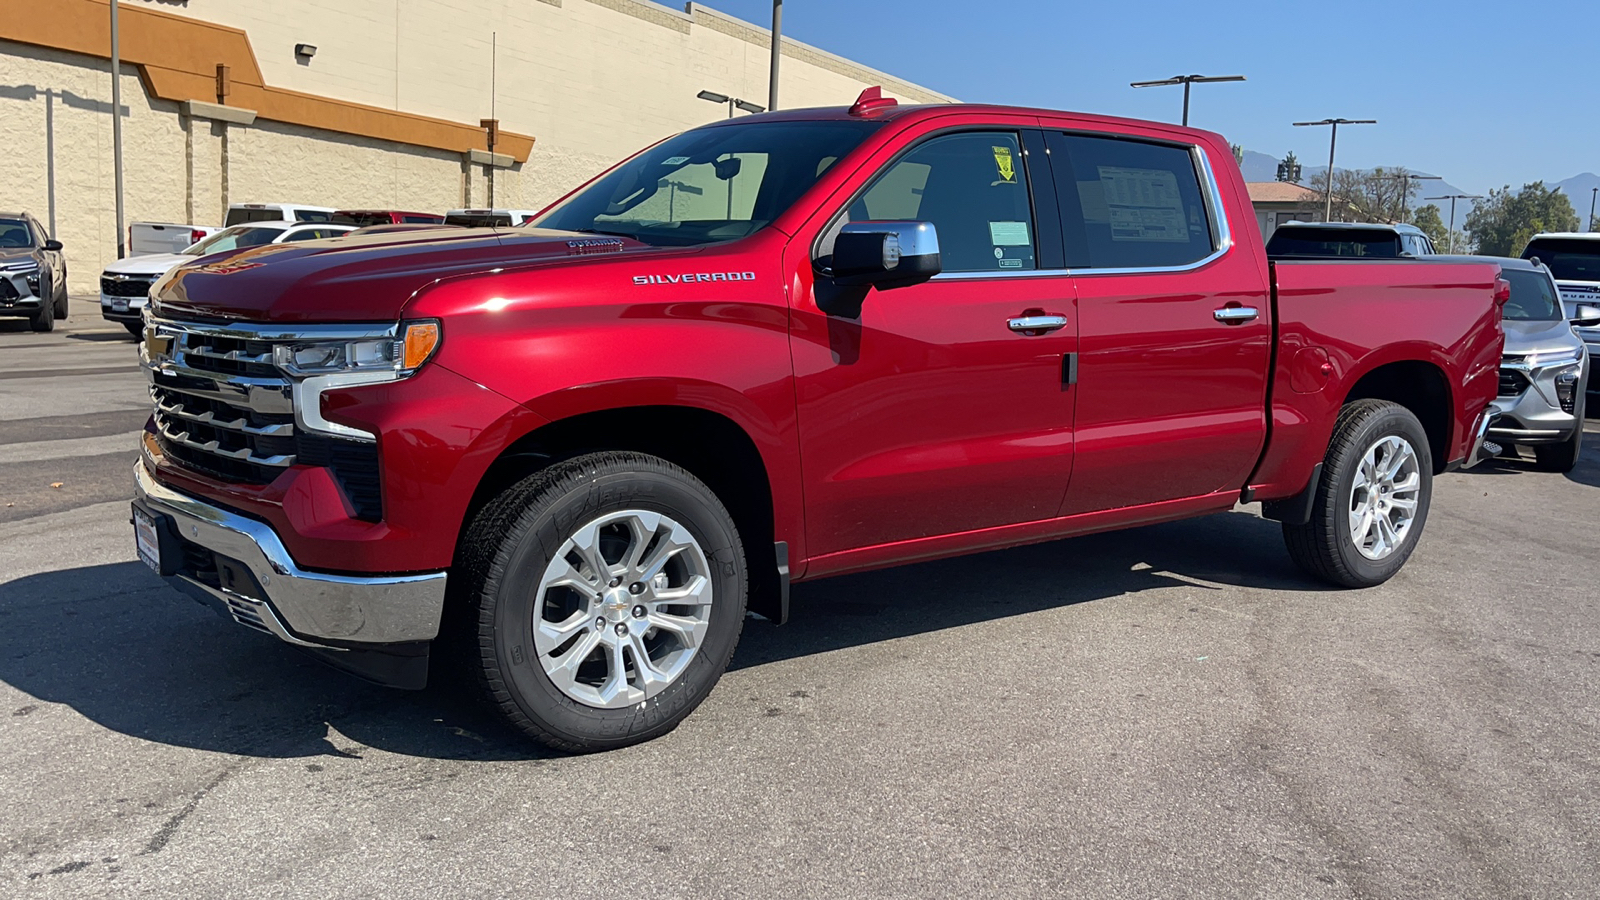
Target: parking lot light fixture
1186,81
1333,141
1453,198
733,102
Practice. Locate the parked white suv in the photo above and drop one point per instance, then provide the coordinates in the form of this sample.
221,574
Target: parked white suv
125,284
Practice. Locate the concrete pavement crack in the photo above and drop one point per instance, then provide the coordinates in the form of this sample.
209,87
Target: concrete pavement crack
159,840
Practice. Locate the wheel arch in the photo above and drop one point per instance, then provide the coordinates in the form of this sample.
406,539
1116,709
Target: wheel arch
1420,386
708,443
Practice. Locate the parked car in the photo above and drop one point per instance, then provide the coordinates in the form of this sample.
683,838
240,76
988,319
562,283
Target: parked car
1347,240
162,237
1574,260
33,272
240,213
572,454
364,217
489,218
1543,371
125,284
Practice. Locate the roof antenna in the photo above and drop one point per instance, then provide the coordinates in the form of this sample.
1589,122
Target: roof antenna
872,100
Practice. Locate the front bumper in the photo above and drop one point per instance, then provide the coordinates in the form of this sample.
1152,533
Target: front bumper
132,308
377,627
1535,416
16,296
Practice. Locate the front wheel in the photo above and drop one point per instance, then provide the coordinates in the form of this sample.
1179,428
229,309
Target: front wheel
135,329
1372,502
608,593
44,319
1562,457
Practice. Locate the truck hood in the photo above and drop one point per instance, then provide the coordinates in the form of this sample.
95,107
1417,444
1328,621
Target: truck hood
1523,337
147,264
361,278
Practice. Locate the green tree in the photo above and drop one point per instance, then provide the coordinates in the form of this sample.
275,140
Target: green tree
1238,153
1502,223
1594,222
1431,221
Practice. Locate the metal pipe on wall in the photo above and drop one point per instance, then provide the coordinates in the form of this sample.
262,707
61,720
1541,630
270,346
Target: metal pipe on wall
116,127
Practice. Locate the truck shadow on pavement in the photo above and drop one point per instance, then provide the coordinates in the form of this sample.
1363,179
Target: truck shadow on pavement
116,645
1587,472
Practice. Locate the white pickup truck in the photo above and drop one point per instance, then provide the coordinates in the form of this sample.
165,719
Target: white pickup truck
145,238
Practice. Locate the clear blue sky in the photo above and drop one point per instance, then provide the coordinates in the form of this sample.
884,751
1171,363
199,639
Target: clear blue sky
1482,93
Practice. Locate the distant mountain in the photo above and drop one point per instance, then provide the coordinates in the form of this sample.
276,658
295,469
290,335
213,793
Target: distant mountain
1580,190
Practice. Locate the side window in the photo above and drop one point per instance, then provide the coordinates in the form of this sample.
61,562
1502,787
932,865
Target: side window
973,188
311,215
307,234
1127,204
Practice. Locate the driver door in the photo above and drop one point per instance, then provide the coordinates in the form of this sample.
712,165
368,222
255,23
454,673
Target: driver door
930,414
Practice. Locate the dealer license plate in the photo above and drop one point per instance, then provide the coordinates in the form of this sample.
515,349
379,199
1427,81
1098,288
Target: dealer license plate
119,306
146,539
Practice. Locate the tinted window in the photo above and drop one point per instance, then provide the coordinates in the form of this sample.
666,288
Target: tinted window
14,233
972,187
1128,204
479,221
1334,243
422,220
711,184
312,215
1568,259
309,234
240,216
1533,296
233,239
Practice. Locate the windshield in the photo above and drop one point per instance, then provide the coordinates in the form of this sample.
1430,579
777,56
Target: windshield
14,233
487,220
1335,243
1568,259
711,184
1533,297
232,239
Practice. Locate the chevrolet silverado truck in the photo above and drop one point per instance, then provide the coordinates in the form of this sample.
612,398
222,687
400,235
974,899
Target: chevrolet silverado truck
569,457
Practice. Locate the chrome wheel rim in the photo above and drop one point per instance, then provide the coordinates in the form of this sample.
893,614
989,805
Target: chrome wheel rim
1383,500
622,609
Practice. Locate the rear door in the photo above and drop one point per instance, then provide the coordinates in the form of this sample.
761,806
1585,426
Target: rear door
933,413
1173,324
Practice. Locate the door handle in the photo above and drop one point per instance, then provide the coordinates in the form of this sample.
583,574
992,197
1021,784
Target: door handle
1036,324
1237,315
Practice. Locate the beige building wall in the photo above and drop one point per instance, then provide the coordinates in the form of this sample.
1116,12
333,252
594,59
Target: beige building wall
591,80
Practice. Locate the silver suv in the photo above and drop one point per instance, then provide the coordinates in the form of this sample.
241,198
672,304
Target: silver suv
1574,259
1543,372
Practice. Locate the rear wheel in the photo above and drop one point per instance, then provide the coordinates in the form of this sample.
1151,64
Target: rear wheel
1372,502
606,595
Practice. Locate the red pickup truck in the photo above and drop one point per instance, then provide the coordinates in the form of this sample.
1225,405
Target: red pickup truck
569,457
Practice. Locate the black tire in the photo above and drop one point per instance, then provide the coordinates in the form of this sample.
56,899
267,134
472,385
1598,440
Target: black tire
507,548
1324,547
135,329
1562,457
44,319
62,298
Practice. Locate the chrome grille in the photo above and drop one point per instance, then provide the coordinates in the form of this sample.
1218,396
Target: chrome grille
127,286
225,410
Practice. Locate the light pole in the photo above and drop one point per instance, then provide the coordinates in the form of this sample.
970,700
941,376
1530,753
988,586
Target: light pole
1186,80
1592,193
777,53
116,126
1333,141
1405,187
1453,198
732,102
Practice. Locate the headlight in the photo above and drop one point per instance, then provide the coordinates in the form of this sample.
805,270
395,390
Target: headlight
1554,357
33,282
400,355
1567,387
23,266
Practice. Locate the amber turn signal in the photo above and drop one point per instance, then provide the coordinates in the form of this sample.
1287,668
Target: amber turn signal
421,339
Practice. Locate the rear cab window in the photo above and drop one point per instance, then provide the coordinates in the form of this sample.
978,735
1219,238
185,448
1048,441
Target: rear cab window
1334,243
1130,204
1568,259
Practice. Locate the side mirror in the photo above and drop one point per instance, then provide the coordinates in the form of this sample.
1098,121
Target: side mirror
1586,316
52,245
885,255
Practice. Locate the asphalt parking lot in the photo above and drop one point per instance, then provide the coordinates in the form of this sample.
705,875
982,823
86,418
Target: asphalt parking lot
1170,711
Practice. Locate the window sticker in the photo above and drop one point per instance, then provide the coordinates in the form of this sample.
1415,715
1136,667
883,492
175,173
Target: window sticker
1009,234
1004,166
675,160
1143,204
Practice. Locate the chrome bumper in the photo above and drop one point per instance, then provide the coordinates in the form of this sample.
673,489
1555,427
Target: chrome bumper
308,609
1482,449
